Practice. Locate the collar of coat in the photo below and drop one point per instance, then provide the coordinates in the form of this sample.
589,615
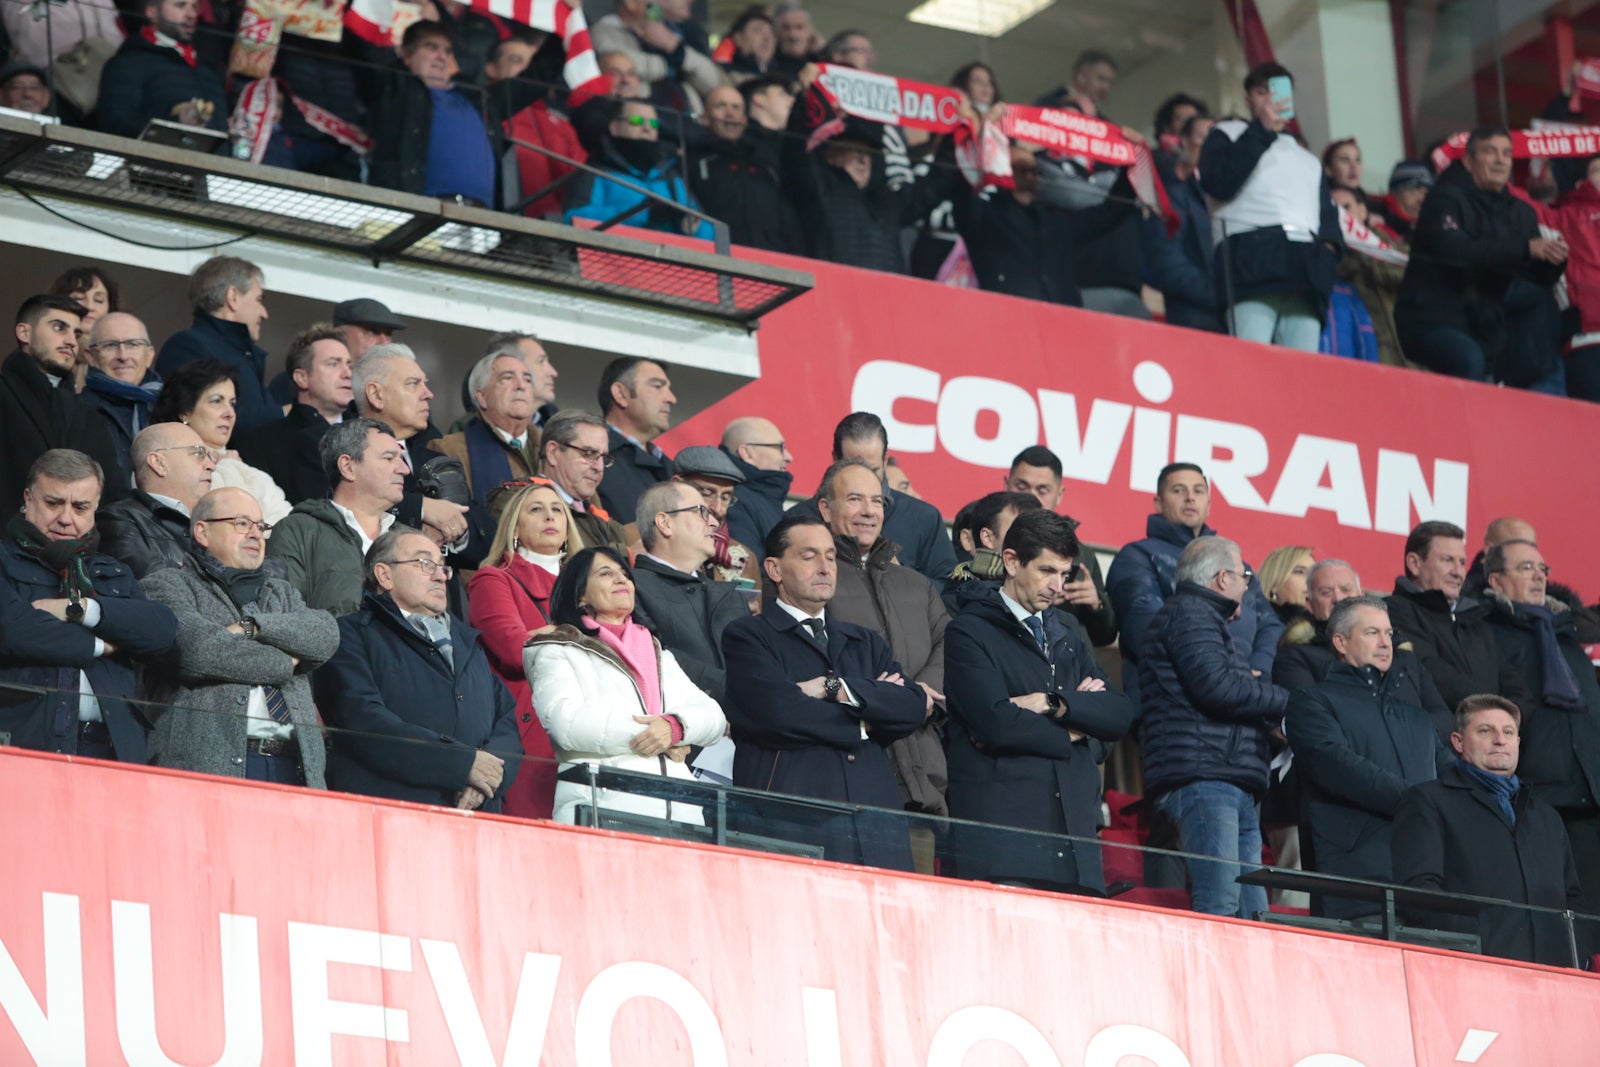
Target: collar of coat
236,333
571,635
1435,600
880,555
1161,528
1223,605
24,371
1501,605
774,485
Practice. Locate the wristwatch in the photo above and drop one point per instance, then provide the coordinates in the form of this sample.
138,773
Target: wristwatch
250,627
75,610
831,687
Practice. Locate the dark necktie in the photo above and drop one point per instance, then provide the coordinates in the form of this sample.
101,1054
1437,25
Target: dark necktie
277,706
1036,627
818,630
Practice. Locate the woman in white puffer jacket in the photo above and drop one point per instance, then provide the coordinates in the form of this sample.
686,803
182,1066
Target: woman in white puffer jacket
609,694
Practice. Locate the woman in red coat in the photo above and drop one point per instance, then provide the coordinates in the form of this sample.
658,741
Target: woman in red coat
510,602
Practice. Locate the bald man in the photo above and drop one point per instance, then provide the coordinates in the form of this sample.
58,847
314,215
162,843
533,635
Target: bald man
120,384
149,531
757,448
1498,532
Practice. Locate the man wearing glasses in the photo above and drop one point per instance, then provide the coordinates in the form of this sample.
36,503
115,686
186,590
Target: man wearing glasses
121,386
1536,636
757,449
1207,716
149,531
416,712
239,686
576,457
633,150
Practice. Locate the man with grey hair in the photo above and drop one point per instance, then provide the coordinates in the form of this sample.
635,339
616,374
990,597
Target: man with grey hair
577,454
1360,741
1207,719
322,541
239,682
687,612
227,297
498,443
149,530
417,712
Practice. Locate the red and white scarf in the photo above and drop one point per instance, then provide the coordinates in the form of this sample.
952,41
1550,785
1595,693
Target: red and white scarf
251,122
1544,141
161,40
371,19
1358,237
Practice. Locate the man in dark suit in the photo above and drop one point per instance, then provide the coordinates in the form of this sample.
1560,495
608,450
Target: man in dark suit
73,622
1476,829
416,710
318,363
1360,741
814,701
635,396
1031,717
687,612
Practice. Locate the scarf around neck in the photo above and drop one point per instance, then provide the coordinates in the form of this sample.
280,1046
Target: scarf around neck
1500,787
1560,684
242,586
67,559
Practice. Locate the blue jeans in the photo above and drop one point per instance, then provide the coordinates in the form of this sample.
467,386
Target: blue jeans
1218,819
1290,320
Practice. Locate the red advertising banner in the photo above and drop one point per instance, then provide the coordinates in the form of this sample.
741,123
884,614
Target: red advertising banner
156,918
1302,449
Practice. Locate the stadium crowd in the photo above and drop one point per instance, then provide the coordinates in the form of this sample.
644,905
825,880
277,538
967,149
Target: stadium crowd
303,580
1457,271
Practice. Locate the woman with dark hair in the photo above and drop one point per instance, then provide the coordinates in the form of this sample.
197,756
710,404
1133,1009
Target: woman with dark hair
509,602
977,80
204,396
92,287
1341,164
609,694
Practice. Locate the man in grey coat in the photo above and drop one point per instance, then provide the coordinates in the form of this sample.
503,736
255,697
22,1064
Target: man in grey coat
239,683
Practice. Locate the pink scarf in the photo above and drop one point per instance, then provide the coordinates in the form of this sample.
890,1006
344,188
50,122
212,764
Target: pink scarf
638,650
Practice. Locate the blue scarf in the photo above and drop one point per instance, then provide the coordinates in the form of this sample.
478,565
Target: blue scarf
1500,787
1560,684
489,459
143,394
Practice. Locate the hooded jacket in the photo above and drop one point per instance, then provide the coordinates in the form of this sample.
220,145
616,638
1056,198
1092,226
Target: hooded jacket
322,556
606,199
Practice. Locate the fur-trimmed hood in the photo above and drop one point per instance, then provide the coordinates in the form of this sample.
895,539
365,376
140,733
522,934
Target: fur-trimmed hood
571,635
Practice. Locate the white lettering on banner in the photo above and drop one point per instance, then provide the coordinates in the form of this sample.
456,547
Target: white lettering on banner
133,970
622,982
1233,454
317,1016
59,1038
820,1010
967,1027
1114,1044
530,1012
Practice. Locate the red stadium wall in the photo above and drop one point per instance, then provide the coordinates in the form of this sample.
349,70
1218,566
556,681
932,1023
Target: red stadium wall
1302,449
155,918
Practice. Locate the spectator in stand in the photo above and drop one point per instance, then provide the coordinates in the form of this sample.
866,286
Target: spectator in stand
1534,633
1409,184
710,473
757,449
429,135
1575,217
227,297
1144,574
1505,528
1180,266
591,118
768,103
509,600
1172,117
421,715
1037,471
23,86
798,40
500,442
599,675
813,702
665,44
1476,300
156,74
1283,579
1360,741
149,531
1093,74
1023,246
202,395
364,322
635,397
1376,281
755,46
577,453
1275,229
324,540
1207,716
77,625
899,605
1449,632
120,384
1477,829
1341,165
915,525
634,151
92,287
685,610
522,108
239,684
850,211
319,365
1032,718
736,177
977,80
38,409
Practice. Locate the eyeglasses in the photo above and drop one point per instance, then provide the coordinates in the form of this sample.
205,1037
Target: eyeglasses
426,566
134,346
1528,566
243,524
1244,574
705,513
590,455
195,451
716,495
779,445
640,120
